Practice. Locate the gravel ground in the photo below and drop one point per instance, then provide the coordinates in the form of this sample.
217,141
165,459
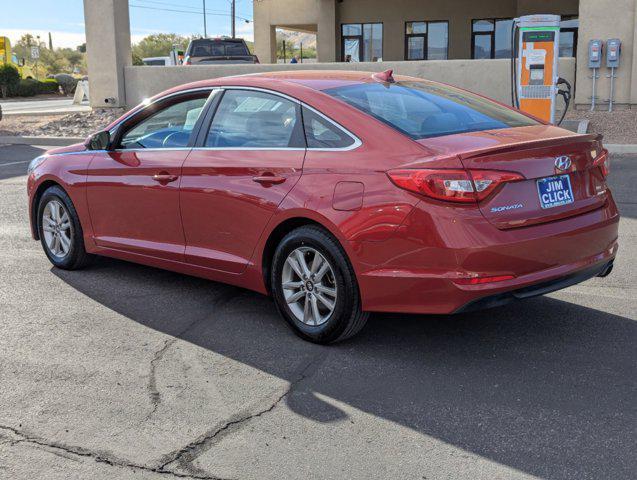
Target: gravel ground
79,124
619,126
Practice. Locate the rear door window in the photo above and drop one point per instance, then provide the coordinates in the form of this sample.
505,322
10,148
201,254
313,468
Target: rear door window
423,109
252,119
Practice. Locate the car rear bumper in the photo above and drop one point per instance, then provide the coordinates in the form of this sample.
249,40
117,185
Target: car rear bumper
426,259
534,290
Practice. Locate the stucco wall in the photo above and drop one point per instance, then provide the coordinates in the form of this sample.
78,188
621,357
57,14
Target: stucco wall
312,15
604,19
488,77
393,15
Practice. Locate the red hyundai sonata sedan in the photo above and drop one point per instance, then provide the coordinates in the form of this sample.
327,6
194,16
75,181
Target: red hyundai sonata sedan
338,193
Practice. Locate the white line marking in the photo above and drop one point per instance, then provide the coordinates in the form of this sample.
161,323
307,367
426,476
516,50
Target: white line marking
13,163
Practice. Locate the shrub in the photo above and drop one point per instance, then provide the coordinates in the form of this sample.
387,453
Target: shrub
25,88
9,78
67,82
50,85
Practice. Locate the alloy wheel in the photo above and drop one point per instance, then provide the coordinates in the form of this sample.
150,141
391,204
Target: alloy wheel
309,286
57,229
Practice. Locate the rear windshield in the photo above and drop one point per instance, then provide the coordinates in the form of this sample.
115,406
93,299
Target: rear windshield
218,48
426,109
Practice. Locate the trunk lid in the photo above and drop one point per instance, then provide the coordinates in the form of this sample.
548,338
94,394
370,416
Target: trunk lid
531,151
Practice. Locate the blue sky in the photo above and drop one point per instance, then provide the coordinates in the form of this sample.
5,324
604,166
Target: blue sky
65,18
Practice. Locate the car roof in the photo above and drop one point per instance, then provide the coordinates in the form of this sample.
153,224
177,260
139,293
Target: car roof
278,80
217,39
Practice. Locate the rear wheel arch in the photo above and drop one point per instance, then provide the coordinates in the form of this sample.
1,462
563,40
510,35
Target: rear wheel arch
279,232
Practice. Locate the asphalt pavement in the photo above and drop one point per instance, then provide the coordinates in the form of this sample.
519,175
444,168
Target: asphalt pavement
122,371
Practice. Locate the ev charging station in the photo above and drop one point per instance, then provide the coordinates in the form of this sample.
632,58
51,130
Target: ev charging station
534,66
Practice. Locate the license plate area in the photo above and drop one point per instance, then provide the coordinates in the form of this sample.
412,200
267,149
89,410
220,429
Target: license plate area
555,191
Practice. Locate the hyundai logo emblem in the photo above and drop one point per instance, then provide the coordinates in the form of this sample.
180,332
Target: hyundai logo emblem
563,163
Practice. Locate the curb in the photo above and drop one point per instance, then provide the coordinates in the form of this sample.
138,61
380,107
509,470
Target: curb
37,113
619,148
47,141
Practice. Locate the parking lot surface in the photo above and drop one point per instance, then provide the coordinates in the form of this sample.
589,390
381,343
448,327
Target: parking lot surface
123,371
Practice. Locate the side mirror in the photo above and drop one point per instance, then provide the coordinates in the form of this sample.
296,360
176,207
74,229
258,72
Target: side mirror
99,141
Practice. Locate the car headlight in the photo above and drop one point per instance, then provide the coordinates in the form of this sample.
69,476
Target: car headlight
35,162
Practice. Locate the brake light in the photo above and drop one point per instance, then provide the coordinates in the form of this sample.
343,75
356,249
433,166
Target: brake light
481,280
187,61
603,162
464,186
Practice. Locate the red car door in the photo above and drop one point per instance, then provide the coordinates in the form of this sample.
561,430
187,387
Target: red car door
133,190
251,156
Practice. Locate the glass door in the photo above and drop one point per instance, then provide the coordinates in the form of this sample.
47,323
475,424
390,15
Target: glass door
352,49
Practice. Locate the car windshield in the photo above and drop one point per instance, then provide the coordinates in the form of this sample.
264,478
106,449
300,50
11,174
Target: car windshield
422,109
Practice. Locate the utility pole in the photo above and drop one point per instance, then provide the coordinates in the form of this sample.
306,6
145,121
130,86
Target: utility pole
232,14
205,31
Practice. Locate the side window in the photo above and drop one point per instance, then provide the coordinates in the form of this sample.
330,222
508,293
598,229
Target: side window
251,119
321,133
170,127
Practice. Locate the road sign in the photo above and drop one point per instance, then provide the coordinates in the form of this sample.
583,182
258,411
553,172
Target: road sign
35,52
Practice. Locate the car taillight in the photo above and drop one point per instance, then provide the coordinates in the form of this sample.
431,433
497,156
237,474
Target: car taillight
187,61
463,186
603,162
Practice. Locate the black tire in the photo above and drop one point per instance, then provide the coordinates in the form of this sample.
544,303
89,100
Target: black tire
347,318
76,257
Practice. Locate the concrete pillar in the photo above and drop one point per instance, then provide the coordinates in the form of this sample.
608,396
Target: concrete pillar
604,19
108,50
265,42
264,33
326,46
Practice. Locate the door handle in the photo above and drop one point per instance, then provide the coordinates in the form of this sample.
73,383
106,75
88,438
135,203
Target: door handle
269,179
164,178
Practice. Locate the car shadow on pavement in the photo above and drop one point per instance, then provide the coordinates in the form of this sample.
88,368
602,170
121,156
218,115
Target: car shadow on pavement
545,386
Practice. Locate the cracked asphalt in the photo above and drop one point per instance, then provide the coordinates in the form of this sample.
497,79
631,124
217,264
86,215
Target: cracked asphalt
122,371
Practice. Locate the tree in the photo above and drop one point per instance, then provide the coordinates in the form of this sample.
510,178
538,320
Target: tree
22,48
159,45
137,61
51,61
54,61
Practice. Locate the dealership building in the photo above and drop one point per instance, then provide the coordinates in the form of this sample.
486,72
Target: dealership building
463,42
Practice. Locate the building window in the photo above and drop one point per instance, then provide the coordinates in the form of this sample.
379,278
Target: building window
426,40
491,38
362,42
568,36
